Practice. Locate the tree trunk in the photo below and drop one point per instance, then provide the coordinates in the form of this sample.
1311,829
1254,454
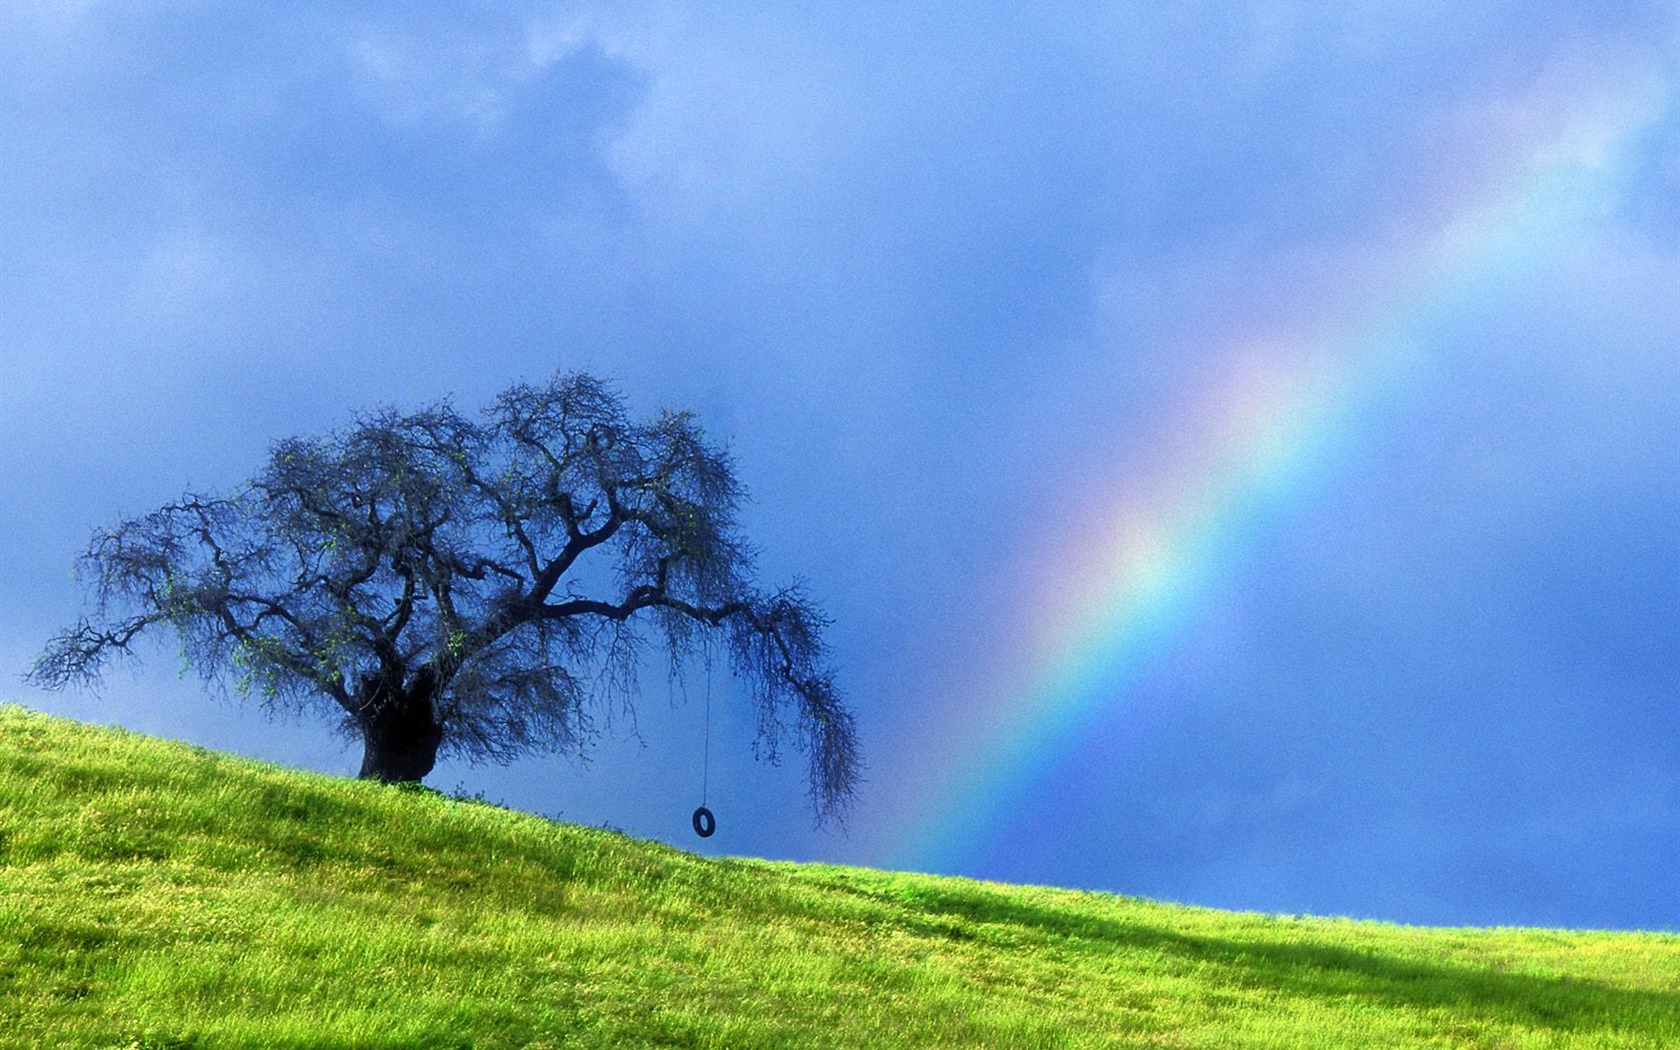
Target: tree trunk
400,735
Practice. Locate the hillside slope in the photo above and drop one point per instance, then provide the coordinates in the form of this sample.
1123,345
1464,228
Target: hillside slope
154,894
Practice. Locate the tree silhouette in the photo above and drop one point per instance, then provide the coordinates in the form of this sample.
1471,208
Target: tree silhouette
480,589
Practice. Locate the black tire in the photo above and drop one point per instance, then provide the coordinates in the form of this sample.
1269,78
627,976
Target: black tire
704,822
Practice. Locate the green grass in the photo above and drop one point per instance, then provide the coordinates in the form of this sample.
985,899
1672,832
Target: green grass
158,895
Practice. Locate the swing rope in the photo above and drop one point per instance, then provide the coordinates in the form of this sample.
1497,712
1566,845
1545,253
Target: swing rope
704,822
706,759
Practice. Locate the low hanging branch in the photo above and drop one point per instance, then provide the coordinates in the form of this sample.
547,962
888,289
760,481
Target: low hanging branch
451,587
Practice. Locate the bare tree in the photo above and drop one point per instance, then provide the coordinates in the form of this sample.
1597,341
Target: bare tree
481,589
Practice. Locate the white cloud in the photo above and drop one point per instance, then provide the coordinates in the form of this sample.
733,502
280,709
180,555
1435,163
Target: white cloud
51,14
410,77
191,276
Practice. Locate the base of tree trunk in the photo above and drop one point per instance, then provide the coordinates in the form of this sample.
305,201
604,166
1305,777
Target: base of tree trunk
395,753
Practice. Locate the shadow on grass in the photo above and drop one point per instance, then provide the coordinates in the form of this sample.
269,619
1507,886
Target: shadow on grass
1472,993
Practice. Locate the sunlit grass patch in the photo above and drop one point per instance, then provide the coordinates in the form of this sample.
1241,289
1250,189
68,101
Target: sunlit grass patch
153,894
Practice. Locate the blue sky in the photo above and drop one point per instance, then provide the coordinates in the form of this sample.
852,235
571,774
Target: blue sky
954,283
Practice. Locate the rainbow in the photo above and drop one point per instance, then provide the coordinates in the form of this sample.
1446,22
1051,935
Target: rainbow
1283,418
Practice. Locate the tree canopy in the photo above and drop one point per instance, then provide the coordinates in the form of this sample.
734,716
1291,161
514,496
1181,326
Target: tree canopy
443,586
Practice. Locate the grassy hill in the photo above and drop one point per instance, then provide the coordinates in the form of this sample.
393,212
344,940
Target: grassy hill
157,895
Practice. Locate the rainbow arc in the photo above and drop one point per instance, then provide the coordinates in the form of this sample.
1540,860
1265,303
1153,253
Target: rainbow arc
1280,426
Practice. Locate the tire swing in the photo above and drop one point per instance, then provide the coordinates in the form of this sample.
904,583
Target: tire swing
704,823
